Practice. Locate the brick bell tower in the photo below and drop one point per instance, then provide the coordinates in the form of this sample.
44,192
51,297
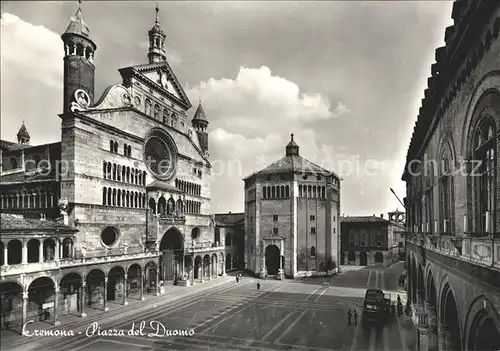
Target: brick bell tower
200,124
79,70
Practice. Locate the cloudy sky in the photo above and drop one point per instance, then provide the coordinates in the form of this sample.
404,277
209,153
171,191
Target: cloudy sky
345,77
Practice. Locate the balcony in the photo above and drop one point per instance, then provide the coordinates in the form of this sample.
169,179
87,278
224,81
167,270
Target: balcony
478,250
205,246
8,270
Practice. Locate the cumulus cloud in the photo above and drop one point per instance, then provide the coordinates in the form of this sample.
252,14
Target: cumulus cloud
257,101
33,48
32,77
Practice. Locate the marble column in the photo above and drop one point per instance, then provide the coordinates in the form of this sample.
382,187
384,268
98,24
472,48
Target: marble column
56,250
25,252
263,272
105,295
223,266
432,327
56,305
209,269
6,254
125,289
82,298
25,308
157,283
141,286
40,251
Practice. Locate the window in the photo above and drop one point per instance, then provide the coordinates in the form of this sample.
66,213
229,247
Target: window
109,236
311,217
445,192
13,163
265,192
275,218
313,230
275,231
484,192
313,251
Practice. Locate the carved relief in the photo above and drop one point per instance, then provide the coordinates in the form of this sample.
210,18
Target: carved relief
81,101
127,101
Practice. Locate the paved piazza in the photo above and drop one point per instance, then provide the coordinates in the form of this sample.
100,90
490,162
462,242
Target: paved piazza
282,315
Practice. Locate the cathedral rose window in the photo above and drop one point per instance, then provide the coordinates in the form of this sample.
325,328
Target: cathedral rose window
160,155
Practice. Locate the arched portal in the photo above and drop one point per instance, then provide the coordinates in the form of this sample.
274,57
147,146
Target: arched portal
484,333
134,280
413,280
115,284
11,303
351,256
450,319
41,297
95,288
70,293
432,312
172,249
150,272
272,259
363,258
197,267
214,266
206,266
228,261
420,284
379,257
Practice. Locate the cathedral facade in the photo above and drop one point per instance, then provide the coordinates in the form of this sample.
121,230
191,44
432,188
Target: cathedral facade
292,210
123,200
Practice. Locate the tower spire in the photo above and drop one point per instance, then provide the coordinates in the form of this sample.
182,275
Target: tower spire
156,52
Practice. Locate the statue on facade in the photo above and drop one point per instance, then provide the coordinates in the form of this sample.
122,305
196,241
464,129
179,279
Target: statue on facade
125,247
170,206
62,205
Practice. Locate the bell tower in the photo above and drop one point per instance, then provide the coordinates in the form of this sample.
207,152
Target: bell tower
79,70
156,52
200,124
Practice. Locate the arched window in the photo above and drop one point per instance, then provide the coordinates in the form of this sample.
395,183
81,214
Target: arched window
157,111
445,193
104,195
282,191
483,176
148,107
109,197
287,191
273,192
119,198
309,191
129,151
114,197
165,116
314,191
300,191
104,169
428,211
13,163
323,192
125,149
228,239
111,146
114,171
313,251
116,147
265,192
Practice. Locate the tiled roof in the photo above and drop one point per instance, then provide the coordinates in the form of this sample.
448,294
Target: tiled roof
22,177
293,163
23,132
363,219
12,222
229,219
11,146
200,114
78,26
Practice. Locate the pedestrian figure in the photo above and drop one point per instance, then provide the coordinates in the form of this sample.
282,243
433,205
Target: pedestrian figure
355,313
408,307
349,316
237,279
258,286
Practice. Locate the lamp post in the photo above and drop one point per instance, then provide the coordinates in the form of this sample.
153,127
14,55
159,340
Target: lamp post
192,261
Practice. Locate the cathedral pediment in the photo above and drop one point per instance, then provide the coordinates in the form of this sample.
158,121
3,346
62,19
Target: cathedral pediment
158,76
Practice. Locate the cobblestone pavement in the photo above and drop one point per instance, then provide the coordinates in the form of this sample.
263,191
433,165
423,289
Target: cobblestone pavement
282,315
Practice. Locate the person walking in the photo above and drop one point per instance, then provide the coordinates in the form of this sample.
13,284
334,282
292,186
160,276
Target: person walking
349,316
400,306
355,313
237,279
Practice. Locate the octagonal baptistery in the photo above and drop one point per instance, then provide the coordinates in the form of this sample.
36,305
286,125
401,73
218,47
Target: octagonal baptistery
135,169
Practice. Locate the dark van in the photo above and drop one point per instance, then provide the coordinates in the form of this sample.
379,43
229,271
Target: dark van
374,305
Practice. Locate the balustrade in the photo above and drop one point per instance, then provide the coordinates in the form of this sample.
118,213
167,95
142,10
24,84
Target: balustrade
481,250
